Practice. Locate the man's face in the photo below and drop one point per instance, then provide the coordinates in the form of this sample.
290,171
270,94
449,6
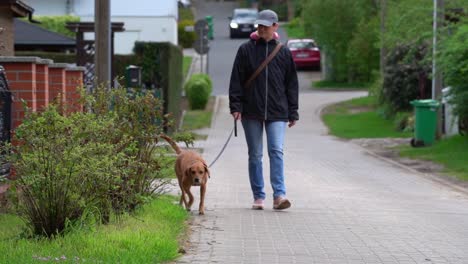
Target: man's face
267,32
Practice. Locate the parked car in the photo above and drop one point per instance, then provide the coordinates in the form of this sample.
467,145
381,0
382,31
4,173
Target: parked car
242,22
184,3
306,53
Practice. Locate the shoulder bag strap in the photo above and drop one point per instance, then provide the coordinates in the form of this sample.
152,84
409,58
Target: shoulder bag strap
263,65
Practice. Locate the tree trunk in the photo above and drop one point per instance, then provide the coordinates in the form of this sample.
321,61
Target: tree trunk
291,9
383,51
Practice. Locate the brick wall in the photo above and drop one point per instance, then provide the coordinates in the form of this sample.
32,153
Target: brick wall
40,82
57,82
73,81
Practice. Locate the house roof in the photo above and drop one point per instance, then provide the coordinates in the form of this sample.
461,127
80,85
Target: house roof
30,34
19,8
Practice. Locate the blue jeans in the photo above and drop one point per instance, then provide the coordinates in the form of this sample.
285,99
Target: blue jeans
275,138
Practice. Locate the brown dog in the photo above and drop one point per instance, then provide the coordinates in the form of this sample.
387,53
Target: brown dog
191,170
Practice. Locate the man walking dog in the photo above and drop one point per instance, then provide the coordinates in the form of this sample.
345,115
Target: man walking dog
263,94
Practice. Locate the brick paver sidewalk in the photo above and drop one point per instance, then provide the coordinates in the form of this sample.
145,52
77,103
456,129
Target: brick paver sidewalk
348,206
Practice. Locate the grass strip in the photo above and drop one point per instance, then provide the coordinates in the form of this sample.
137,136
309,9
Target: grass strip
358,118
150,236
340,86
450,152
186,63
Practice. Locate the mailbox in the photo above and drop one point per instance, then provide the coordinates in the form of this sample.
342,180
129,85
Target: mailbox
133,76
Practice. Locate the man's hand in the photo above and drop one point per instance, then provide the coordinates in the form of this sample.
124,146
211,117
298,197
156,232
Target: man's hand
291,123
237,115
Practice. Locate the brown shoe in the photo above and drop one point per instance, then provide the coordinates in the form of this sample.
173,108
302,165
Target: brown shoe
281,203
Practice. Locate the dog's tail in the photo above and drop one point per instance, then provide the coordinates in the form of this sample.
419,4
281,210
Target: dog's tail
172,143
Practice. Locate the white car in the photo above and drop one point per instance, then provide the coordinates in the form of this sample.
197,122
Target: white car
242,22
184,3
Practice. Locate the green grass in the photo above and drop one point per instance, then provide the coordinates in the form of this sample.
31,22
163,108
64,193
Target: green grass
151,236
358,118
338,85
196,119
450,152
187,61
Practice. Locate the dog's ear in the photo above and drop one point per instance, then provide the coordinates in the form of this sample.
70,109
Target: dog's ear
207,171
187,173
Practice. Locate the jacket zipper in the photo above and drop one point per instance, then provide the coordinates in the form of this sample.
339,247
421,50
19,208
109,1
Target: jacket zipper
266,84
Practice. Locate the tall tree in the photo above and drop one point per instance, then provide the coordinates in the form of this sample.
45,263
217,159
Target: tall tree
332,24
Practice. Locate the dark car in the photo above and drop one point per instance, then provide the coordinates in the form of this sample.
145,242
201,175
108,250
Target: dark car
242,22
306,53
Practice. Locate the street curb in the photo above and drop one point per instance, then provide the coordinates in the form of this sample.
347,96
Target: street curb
428,176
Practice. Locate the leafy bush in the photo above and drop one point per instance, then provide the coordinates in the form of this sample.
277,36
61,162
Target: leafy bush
57,24
404,121
186,38
65,166
363,54
139,117
206,78
405,70
454,63
99,162
161,64
198,90
280,8
322,26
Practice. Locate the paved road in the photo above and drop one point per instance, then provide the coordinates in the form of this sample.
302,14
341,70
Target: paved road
348,206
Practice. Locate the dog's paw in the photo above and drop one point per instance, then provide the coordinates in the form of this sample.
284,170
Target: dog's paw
201,213
188,209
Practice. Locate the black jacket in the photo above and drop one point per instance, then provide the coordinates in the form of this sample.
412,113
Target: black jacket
273,95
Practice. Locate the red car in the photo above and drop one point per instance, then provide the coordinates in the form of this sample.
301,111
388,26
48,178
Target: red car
305,53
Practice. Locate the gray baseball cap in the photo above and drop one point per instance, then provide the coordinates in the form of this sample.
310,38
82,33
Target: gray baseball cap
266,18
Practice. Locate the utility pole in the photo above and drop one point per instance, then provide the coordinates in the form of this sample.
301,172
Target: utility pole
438,20
102,44
383,51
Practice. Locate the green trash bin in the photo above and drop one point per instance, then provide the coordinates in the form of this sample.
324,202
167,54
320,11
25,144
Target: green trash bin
425,122
209,20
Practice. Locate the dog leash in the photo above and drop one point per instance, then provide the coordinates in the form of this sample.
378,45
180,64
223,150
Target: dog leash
225,144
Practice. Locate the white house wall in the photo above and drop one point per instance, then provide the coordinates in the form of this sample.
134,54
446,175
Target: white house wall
142,8
156,29
144,20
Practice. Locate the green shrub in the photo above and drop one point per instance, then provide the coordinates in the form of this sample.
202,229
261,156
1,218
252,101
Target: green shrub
454,63
404,121
198,95
404,71
206,78
66,166
99,162
57,24
198,90
162,68
186,38
280,8
186,14
363,54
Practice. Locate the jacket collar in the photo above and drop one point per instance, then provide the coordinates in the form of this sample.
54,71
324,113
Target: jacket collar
262,41
254,36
